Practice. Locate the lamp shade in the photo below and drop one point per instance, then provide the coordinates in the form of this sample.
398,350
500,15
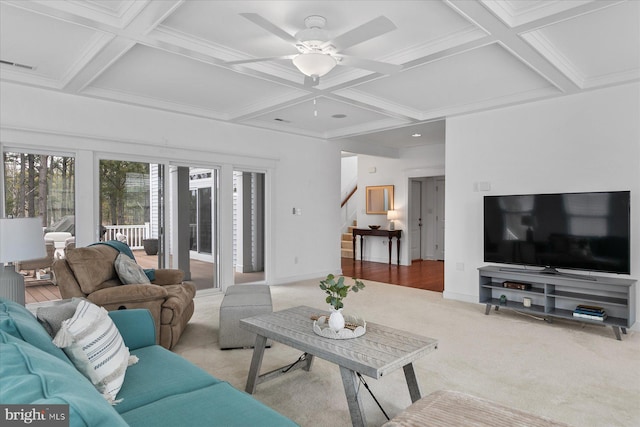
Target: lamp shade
314,64
21,239
391,215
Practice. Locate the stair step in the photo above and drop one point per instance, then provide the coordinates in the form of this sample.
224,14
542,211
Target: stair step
346,253
347,237
346,244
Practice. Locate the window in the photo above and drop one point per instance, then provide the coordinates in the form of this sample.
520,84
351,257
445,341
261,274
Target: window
41,185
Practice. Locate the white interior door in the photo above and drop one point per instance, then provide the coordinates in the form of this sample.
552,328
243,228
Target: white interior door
415,220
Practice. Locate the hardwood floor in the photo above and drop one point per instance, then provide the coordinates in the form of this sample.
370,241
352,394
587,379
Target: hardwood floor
427,275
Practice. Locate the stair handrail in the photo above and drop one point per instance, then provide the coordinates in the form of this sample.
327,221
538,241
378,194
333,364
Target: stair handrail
346,199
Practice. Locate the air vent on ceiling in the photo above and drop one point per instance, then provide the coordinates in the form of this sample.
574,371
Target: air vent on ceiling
15,64
277,119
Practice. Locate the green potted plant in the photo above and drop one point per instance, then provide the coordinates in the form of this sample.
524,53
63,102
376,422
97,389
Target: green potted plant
337,290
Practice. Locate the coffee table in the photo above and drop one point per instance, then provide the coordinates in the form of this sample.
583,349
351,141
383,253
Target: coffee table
380,351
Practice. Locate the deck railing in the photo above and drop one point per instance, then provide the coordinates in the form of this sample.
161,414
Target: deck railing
135,234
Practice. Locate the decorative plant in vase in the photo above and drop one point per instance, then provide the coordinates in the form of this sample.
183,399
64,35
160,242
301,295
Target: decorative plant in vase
337,290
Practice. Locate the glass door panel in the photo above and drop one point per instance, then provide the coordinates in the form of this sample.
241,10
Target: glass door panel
130,209
203,226
41,185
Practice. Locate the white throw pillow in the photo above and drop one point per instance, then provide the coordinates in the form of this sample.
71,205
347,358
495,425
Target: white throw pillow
129,272
94,345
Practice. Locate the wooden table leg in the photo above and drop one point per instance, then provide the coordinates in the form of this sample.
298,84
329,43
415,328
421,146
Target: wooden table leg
350,382
256,363
398,246
412,382
361,247
354,246
390,246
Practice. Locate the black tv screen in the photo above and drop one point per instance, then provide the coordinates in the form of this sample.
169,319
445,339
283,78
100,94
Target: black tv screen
585,231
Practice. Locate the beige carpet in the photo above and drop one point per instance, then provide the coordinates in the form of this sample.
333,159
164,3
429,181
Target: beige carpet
570,372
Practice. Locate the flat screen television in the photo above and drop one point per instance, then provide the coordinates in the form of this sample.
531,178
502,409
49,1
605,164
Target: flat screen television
584,231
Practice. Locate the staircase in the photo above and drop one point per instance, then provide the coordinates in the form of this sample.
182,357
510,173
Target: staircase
346,243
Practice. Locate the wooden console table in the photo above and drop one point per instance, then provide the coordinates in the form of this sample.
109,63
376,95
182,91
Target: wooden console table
390,234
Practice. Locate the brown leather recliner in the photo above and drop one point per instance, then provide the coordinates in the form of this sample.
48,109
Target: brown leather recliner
89,273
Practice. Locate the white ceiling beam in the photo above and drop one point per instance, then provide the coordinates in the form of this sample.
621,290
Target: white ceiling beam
510,39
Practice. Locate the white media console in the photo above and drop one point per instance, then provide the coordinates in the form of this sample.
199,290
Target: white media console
557,295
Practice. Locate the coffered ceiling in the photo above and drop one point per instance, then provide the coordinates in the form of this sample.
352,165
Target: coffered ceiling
456,56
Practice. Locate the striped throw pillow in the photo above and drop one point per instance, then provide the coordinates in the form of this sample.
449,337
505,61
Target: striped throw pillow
94,345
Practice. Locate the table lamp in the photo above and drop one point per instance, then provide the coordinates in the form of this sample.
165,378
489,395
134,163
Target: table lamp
392,216
21,239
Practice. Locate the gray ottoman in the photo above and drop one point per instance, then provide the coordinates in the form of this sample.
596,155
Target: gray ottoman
239,302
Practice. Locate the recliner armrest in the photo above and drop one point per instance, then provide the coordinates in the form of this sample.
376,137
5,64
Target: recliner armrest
128,294
137,327
168,276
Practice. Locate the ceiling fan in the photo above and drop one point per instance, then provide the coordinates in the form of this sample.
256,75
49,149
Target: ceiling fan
318,53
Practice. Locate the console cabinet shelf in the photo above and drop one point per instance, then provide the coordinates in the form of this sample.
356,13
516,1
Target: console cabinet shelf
556,296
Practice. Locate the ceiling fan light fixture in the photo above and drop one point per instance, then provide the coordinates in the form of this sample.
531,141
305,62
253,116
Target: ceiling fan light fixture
314,64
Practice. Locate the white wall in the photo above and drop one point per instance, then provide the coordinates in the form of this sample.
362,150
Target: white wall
348,181
348,175
586,142
417,162
301,172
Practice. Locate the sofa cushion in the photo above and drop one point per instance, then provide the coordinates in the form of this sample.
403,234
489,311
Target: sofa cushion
94,345
28,375
17,321
216,405
129,272
93,266
159,374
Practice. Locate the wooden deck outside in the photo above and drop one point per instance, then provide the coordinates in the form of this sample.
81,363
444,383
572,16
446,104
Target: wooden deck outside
40,291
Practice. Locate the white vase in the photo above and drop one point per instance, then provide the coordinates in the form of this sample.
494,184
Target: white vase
336,320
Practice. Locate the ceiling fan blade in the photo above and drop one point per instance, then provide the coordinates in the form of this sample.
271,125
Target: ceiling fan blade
368,64
269,26
364,32
247,61
311,81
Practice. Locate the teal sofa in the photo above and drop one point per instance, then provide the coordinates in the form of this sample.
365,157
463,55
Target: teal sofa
162,389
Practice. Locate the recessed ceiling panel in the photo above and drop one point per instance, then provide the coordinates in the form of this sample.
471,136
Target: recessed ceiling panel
322,116
50,45
518,12
604,44
112,6
417,135
156,74
482,74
